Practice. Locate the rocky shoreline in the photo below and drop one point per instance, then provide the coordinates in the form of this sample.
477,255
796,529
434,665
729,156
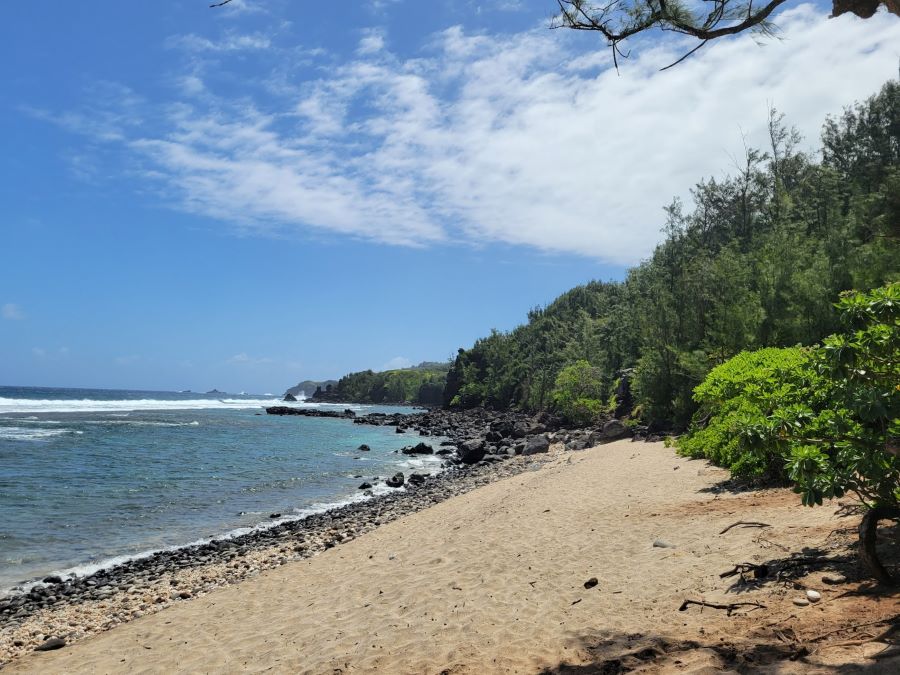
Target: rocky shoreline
483,446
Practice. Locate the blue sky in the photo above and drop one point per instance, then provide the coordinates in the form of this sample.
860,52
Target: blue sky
245,197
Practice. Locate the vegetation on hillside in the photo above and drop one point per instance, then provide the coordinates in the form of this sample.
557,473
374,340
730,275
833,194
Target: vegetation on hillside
759,261
420,385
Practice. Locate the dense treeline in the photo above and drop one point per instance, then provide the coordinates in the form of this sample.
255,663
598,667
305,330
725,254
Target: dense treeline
421,385
758,261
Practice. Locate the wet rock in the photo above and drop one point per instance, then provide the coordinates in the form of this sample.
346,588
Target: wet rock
53,579
396,481
364,448
418,449
416,478
289,398
365,486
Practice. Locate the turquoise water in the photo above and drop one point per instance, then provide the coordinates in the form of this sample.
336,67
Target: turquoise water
91,476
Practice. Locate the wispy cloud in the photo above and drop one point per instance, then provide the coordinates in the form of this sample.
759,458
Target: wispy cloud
244,359
526,139
372,42
12,312
230,42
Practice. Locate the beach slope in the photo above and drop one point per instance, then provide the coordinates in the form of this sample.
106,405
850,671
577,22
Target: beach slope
494,581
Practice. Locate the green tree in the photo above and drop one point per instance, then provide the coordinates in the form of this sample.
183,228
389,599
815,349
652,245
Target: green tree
578,392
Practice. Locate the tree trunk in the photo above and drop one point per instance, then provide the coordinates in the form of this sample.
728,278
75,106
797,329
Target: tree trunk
868,537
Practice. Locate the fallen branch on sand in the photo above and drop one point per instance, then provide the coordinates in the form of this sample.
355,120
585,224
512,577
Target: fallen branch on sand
759,571
729,608
745,523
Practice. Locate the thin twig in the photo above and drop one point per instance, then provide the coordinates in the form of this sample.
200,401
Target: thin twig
745,523
729,608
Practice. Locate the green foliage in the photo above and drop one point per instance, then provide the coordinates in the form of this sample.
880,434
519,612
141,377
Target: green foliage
422,384
843,435
759,261
577,392
744,391
825,418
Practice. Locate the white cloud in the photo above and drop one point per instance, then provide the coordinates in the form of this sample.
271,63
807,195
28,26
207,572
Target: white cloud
230,42
397,362
524,139
244,359
12,312
372,42
38,352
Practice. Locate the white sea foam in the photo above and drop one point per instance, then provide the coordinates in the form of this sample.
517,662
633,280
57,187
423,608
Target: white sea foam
23,434
140,423
89,568
23,405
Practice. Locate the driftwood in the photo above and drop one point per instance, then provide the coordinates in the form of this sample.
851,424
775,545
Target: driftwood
745,523
729,608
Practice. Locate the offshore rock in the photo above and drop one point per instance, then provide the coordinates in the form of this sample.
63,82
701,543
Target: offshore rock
419,449
396,481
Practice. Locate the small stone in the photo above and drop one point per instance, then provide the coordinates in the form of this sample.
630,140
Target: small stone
590,583
801,602
834,579
50,645
184,595
813,596
660,543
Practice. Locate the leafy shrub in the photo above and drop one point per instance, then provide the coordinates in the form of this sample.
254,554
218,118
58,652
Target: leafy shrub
843,436
578,392
739,393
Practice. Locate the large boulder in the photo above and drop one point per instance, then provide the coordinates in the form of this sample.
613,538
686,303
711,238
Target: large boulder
419,449
614,429
289,398
471,451
536,445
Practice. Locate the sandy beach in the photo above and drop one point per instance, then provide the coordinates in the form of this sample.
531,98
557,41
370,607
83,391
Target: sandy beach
495,581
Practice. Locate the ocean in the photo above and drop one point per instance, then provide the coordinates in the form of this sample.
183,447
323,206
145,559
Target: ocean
93,477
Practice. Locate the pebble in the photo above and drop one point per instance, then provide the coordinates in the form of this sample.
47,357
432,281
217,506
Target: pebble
813,596
590,583
659,543
801,602
834,579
